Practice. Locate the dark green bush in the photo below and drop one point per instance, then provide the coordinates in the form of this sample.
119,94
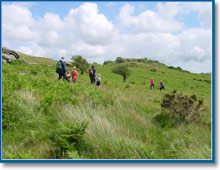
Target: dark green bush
122,70
80,63
185,108
153,70
165,120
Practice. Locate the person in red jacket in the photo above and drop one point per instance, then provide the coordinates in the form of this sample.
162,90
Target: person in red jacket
152,83
74,74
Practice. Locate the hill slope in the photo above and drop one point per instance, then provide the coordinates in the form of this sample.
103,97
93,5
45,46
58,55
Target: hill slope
44,118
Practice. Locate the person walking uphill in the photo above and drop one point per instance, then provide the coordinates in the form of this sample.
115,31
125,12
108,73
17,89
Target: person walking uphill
92,74
98,81
161,85
74,74
152,83
61,68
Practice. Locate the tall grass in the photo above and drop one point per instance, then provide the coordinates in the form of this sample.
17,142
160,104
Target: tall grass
40,114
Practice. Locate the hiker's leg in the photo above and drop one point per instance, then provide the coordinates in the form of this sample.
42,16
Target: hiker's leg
60,76
93,80
64,76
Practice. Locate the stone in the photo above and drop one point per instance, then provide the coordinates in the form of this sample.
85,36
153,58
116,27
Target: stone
9,55
4,61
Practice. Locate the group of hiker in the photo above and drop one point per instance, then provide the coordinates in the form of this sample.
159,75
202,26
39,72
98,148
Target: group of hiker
66,75
94,78
152,85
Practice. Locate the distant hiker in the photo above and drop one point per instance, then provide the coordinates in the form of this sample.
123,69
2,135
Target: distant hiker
92,74
161,85
61,68
74,74
68,76
98,80
152,83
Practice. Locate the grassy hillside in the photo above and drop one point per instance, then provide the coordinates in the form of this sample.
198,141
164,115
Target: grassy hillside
37,60
45,119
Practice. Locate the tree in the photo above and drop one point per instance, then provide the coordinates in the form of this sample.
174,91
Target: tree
123,71
80,63
119,60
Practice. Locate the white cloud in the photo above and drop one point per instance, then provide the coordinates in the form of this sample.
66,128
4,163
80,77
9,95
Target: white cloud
94,28
196,44
84,31
51,21
147,21
17,23
205,12
169,10
14,15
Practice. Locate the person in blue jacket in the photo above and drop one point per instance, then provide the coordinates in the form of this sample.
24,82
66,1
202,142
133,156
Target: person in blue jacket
92,74
61,68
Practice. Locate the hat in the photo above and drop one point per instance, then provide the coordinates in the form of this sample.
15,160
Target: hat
62,58
99,75
74,67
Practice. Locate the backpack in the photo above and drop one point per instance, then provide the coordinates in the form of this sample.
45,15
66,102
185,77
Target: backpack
90,72
59,65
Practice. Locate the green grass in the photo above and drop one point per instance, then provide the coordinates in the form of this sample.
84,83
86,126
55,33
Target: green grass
37,60
44,118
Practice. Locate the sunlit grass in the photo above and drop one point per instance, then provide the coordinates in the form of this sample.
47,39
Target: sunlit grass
119,115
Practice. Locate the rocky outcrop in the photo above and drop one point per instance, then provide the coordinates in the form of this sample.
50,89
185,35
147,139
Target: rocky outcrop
8,55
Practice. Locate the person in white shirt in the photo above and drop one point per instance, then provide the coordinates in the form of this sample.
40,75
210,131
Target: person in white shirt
98,80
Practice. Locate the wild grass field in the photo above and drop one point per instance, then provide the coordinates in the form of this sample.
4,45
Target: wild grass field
43,118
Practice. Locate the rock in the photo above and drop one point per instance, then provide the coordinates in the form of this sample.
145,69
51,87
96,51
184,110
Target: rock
4,61
9,55
8,58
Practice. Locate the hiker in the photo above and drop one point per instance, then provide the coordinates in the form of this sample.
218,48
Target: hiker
98,80
61,68
92,74
68,76
161,85
74,74
152,83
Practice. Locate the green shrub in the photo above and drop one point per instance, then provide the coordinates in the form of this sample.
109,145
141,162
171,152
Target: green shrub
153,70
119,60
165,120
34,71
186,108
80,63
68,137
122,70
12,114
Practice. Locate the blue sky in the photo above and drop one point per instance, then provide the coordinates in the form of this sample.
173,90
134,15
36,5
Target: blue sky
109,9
175,33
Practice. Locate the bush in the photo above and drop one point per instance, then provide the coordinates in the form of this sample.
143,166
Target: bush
68,138
107,62
185,108
80,63
165,120
153,70
119,60
122,70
